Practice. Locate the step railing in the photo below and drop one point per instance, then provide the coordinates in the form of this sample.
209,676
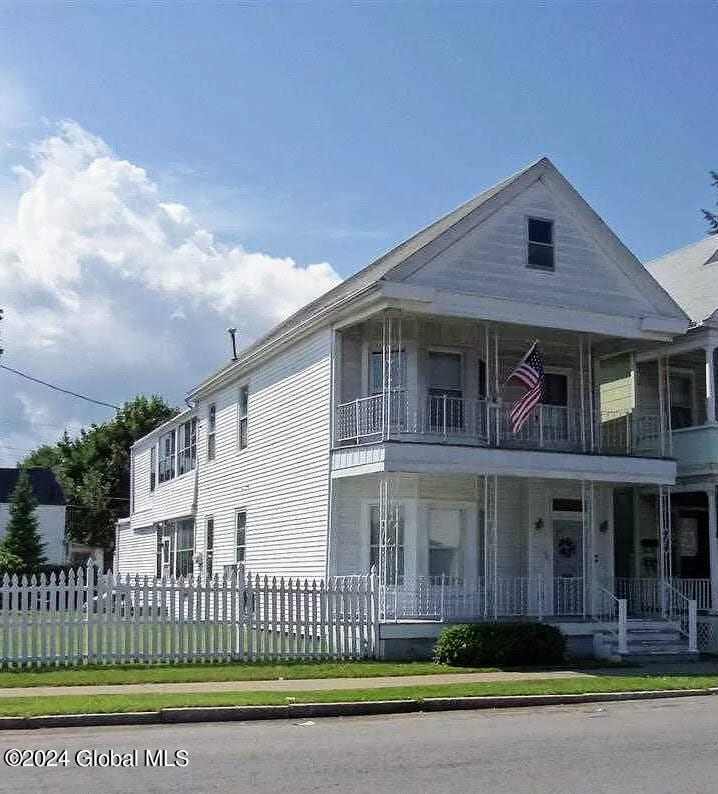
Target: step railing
682,612
608,607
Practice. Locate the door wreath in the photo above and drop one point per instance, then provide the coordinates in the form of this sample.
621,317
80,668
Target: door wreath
566,547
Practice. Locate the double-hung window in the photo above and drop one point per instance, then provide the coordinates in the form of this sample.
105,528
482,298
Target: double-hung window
209,546
167,450
185,546
241,540
540,253
445,404
243,416
211,431
153,467
187,454
386,555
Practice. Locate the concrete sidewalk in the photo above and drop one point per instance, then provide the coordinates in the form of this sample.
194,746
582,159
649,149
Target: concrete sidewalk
292,684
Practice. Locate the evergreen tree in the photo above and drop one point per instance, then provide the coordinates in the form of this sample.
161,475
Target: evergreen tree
22,538
712,217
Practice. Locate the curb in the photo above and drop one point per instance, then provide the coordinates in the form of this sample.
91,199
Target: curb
339,709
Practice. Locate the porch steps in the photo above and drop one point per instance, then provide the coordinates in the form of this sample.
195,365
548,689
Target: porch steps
650,641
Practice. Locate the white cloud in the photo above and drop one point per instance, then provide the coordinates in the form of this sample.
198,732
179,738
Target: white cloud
112,288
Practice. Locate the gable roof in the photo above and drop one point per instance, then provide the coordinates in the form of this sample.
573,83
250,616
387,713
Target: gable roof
47,489
690,275
395,264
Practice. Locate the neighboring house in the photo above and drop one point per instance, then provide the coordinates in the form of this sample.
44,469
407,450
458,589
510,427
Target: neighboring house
52,517
371,429
50,511
688,367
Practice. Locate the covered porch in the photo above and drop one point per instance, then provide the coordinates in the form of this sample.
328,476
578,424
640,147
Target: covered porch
449,548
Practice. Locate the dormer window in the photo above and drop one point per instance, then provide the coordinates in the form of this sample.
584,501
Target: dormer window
540,244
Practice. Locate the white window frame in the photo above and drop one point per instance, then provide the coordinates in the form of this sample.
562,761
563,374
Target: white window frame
153,467
209,549
400,547
187,430
453,351
211,431
552,245
237,546
242,417
172,457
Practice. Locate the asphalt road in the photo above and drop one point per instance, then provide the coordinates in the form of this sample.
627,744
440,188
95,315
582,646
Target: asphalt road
659,746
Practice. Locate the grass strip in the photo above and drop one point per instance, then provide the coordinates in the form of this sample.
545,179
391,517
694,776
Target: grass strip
78,704
251,671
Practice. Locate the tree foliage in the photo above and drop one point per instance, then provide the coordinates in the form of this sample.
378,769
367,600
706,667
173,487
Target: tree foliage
712,217
22,540
9,563
94,468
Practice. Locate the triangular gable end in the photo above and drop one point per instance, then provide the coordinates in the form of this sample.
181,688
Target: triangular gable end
486,254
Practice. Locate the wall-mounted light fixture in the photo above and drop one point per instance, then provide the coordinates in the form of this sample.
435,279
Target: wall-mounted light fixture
603,526
539,524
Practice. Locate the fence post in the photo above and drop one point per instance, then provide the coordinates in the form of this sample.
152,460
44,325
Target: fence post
374,629
693,626
90,601
622,626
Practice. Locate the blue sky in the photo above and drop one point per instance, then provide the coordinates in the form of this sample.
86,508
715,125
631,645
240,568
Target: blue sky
326,133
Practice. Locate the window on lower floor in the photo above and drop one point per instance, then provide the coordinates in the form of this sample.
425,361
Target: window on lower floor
209,546
175,548
387,557
445,532
241,526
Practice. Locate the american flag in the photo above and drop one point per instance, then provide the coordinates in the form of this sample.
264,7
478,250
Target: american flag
529,372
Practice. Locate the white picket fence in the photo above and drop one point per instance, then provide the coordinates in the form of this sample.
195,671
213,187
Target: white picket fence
86,618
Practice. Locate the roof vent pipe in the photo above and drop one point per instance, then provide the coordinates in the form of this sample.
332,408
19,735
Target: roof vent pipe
233,334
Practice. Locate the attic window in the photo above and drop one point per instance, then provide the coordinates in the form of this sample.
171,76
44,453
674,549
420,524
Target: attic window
540,244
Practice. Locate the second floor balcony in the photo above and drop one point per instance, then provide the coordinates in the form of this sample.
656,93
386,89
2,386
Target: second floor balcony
444,419
447,381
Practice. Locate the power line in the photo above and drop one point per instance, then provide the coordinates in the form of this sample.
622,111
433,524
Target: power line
59,388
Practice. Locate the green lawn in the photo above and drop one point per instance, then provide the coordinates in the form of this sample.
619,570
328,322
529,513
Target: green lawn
187,673
74,704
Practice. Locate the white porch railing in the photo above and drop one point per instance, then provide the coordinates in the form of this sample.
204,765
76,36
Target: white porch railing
548,426
451,598
683,612
444,419
643,594
636,433
568,596
613,611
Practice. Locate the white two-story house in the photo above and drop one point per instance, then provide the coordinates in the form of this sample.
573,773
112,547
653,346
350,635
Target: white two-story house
371,430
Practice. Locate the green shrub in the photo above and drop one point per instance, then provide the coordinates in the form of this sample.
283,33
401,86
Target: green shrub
500,645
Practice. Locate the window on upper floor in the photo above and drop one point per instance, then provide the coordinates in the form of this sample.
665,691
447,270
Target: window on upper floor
211,430
397,371
187,446
243,416
540,253
167,452
555,389
153,467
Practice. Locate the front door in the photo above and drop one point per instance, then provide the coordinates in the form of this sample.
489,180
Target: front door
567,566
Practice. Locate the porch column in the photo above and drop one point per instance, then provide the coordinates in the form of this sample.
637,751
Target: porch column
491,604
713,544
664,543
710,384
588,534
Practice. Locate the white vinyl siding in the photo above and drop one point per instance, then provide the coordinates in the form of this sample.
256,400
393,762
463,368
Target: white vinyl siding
490,260
282,477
